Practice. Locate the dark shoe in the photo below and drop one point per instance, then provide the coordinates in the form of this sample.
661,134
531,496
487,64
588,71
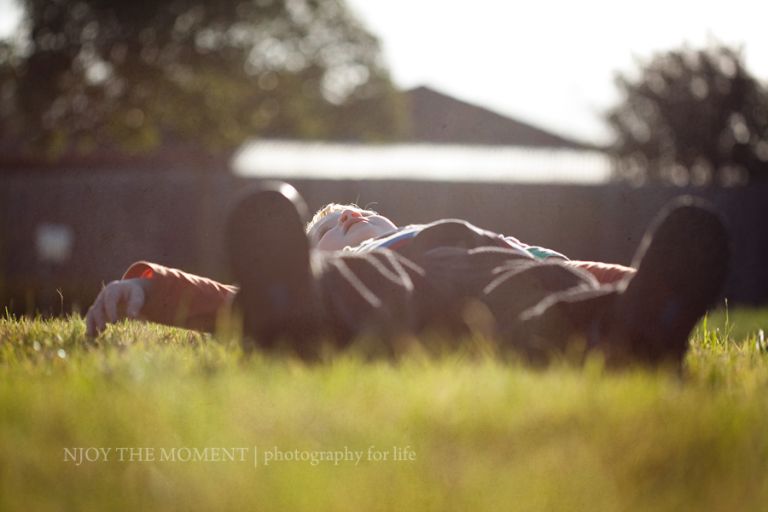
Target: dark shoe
270,260
681,264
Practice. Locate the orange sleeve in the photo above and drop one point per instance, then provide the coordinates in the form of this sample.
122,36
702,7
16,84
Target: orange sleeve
181,299
605,273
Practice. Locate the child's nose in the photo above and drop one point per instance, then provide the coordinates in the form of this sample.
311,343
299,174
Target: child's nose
347,214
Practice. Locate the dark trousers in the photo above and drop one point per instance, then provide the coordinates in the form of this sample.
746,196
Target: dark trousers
535,308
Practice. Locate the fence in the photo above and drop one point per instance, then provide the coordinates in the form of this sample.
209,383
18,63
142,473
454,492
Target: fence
65,234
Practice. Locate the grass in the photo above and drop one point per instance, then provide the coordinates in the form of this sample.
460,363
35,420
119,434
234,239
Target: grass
485,434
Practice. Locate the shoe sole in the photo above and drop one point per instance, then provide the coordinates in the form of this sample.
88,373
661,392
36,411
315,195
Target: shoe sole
269,256
681,266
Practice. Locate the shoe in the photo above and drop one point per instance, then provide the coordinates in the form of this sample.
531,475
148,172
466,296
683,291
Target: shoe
682,263
270,260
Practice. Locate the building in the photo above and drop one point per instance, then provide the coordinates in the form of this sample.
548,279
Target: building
450,140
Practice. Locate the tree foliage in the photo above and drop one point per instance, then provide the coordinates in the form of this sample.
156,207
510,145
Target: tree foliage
691,116
137,73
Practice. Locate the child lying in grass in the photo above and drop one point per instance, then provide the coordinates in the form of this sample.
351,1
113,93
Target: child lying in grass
331,229
352,272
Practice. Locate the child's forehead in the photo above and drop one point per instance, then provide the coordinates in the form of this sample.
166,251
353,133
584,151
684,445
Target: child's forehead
330,218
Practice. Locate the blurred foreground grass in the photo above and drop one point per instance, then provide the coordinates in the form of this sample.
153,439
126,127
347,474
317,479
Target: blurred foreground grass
485,435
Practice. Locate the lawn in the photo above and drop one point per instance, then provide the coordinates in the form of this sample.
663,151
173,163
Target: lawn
154,418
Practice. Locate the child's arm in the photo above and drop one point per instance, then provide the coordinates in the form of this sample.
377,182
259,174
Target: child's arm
605,273
160,294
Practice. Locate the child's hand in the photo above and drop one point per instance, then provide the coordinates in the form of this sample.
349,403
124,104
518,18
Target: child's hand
117,301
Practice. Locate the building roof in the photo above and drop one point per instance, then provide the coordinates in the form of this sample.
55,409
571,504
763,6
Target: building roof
439,118
286,159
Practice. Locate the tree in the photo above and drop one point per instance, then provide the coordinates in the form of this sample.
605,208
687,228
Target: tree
691,117
132,74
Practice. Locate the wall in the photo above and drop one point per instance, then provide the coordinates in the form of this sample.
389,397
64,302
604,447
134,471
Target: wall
176,219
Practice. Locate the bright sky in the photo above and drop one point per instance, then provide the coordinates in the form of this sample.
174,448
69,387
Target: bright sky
9,15
548,62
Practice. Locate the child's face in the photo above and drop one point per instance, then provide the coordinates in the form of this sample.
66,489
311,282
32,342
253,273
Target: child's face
348,227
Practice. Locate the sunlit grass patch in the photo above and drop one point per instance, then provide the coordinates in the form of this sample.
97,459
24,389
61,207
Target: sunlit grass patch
456,431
